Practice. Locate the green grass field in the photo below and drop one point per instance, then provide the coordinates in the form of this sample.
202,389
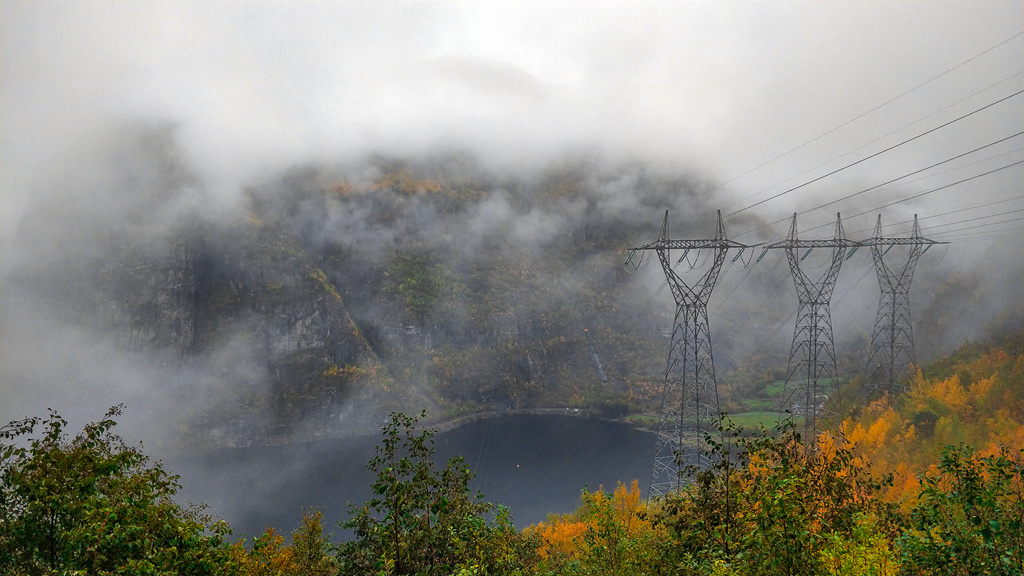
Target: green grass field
756,412
753,420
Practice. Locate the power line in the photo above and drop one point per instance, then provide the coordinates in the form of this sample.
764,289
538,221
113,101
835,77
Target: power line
974,220
975,177
960,167
1018,219
1016,193
865,145
930,216
895,180
981,229
837,170
1011,230
882,105
957,157
1017,232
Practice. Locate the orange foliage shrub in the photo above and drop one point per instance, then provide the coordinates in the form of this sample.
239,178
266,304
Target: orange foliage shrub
559,537
602,522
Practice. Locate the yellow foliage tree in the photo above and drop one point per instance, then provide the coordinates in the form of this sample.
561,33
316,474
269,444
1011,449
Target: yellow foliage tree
269,556
308,555
976,400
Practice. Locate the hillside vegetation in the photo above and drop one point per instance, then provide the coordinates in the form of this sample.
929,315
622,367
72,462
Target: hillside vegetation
974,396
929,482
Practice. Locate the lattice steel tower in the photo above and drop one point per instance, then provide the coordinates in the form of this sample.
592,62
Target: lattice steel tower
892,341
690,400
812,374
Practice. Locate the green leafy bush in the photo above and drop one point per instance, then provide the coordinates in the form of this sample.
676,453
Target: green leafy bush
425,521
969,518
92,505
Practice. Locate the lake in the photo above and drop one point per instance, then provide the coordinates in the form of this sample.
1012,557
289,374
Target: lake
532,464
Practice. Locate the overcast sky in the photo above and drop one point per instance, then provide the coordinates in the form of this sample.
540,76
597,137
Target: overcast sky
714,87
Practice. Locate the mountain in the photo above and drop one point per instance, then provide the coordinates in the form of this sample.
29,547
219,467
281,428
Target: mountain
314,302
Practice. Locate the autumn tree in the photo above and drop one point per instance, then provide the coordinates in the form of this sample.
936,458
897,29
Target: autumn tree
311,548
768,506
972,396
309,554
267,556
608,534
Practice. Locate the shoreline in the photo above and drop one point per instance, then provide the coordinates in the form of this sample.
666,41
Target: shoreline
438,426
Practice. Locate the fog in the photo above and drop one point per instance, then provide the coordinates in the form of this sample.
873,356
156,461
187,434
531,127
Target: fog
132,120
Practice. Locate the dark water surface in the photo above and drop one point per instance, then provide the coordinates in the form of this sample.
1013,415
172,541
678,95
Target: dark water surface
532,464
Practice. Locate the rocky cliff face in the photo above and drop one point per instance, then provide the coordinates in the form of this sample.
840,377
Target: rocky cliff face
244,285
234,334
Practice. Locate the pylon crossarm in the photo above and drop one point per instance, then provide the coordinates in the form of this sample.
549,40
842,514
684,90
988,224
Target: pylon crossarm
894,241
690,245
809,290
683,294
799,244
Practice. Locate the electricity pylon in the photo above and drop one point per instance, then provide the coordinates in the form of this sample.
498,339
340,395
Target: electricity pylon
690,399
892,341
812,374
